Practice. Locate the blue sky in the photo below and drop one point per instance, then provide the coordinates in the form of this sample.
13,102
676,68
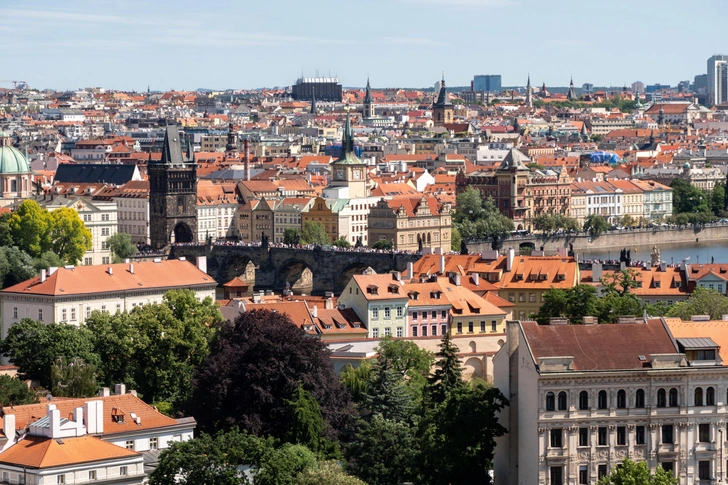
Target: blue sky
219,44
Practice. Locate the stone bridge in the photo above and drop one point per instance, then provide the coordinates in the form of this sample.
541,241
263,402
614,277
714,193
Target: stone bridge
313,271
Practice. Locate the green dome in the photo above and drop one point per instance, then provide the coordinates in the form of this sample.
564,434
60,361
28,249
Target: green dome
12,161
686,165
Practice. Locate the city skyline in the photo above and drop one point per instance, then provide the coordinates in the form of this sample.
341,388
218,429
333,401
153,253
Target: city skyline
408,43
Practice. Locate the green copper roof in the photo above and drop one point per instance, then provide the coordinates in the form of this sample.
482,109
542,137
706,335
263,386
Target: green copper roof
347,157
11,160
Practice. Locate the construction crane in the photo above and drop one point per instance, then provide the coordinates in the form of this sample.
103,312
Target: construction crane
23,84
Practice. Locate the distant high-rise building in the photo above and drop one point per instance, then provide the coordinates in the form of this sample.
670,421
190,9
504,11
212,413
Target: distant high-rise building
490,83
638,87
322,88
587,88
718,79
700,84
657,87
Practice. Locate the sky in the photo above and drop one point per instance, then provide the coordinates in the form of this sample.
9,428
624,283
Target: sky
245,44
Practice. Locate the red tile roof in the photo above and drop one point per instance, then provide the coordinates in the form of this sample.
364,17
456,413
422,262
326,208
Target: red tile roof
40,452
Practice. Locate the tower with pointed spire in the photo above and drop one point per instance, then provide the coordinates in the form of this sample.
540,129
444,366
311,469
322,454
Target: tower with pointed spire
529,93
348,172
442,110
173,192
368,102
313,103
231,149
571,95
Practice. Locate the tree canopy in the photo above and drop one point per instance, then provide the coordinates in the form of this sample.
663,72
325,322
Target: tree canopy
314,233
633,473
595,224
13,392
702,301
478,218
121,246
383,244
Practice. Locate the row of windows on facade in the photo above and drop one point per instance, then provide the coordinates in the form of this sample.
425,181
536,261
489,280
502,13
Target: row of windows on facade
664,399
399,332
387,312
64,312
667,435
556,473
87,217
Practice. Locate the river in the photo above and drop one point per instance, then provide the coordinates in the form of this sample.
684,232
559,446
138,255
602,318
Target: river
701,252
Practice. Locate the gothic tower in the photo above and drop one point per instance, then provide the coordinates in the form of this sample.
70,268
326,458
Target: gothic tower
572,92
231,149
349,175
529,93
368,102
442,111
173,193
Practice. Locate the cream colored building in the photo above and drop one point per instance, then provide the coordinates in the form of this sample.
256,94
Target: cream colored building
411,222
380,301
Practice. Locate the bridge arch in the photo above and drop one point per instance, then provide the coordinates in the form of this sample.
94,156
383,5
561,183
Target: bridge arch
355,268
296,274
235,264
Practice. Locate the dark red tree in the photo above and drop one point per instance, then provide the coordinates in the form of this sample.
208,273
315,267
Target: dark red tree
254,366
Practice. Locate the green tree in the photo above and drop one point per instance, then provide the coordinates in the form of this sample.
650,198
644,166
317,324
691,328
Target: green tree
15,266
387,395
657,309
69,236
291,236
688,198
383,451
307,423
448,374
341,242
357,379
717,200
595,224
456,239
633,473
476,218
30,228
620,282
613,305
6,238
383,244
314,233
573,303
628,221
14,392
544,222
47,260
282,465
702,301
35,346
121,246
327,473
74,378
409,360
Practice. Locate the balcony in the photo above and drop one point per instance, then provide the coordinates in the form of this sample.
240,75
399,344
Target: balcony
557,453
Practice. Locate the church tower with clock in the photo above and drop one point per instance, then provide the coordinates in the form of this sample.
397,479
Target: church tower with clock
348,172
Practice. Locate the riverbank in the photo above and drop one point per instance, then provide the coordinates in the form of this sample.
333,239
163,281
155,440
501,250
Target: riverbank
615,240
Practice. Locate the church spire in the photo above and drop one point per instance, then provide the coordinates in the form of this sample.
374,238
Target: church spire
572,92
368,95
347,140
529,93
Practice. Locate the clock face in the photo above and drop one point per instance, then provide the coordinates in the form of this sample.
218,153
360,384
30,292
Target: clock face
357,174
340,174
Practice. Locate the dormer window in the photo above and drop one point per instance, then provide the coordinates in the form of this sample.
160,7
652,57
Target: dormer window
414,295
372,290
699,350
393,288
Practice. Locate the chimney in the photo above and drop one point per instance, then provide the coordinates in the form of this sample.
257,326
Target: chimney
246,147
131,268
104,392
78,415
442,265
410,270
54,418
456,279
509,259
110,270
9,427
127,260
52,270
476,279
596,272
314,312
133,392
663,266
120,389
329,303
397,276
202,263
42,275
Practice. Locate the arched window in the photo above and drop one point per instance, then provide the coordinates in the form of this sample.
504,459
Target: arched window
562,401
673,398
583,400
698,397
710,397
621,399
550,401
602,400
639,399
661,398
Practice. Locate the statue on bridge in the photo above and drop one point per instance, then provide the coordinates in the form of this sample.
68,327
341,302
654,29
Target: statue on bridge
655,256
358,244
625,257
496,243
264,240
463,247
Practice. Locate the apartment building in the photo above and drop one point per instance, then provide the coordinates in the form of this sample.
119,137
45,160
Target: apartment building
380,301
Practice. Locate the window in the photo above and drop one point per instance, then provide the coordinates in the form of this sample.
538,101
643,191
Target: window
400,332
375,313
639,399
482,327
387,313
387,332
61,479
443,314
661,398
105,260
583,400
556,435
550,401
673,398
621,399
621,435
460,327
602,400
698,398
704,433
710,397
414,330
154,443
583,474
602,436
40,314
399,312
602,471
129,445
104,231
557,475
122,471
375,333
63,315
433,314
470,327
88,311
424,330
562,401
88,261
668,466
583,436
434,330
15,312
704,470
414,315
667,436
639,435
443,329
